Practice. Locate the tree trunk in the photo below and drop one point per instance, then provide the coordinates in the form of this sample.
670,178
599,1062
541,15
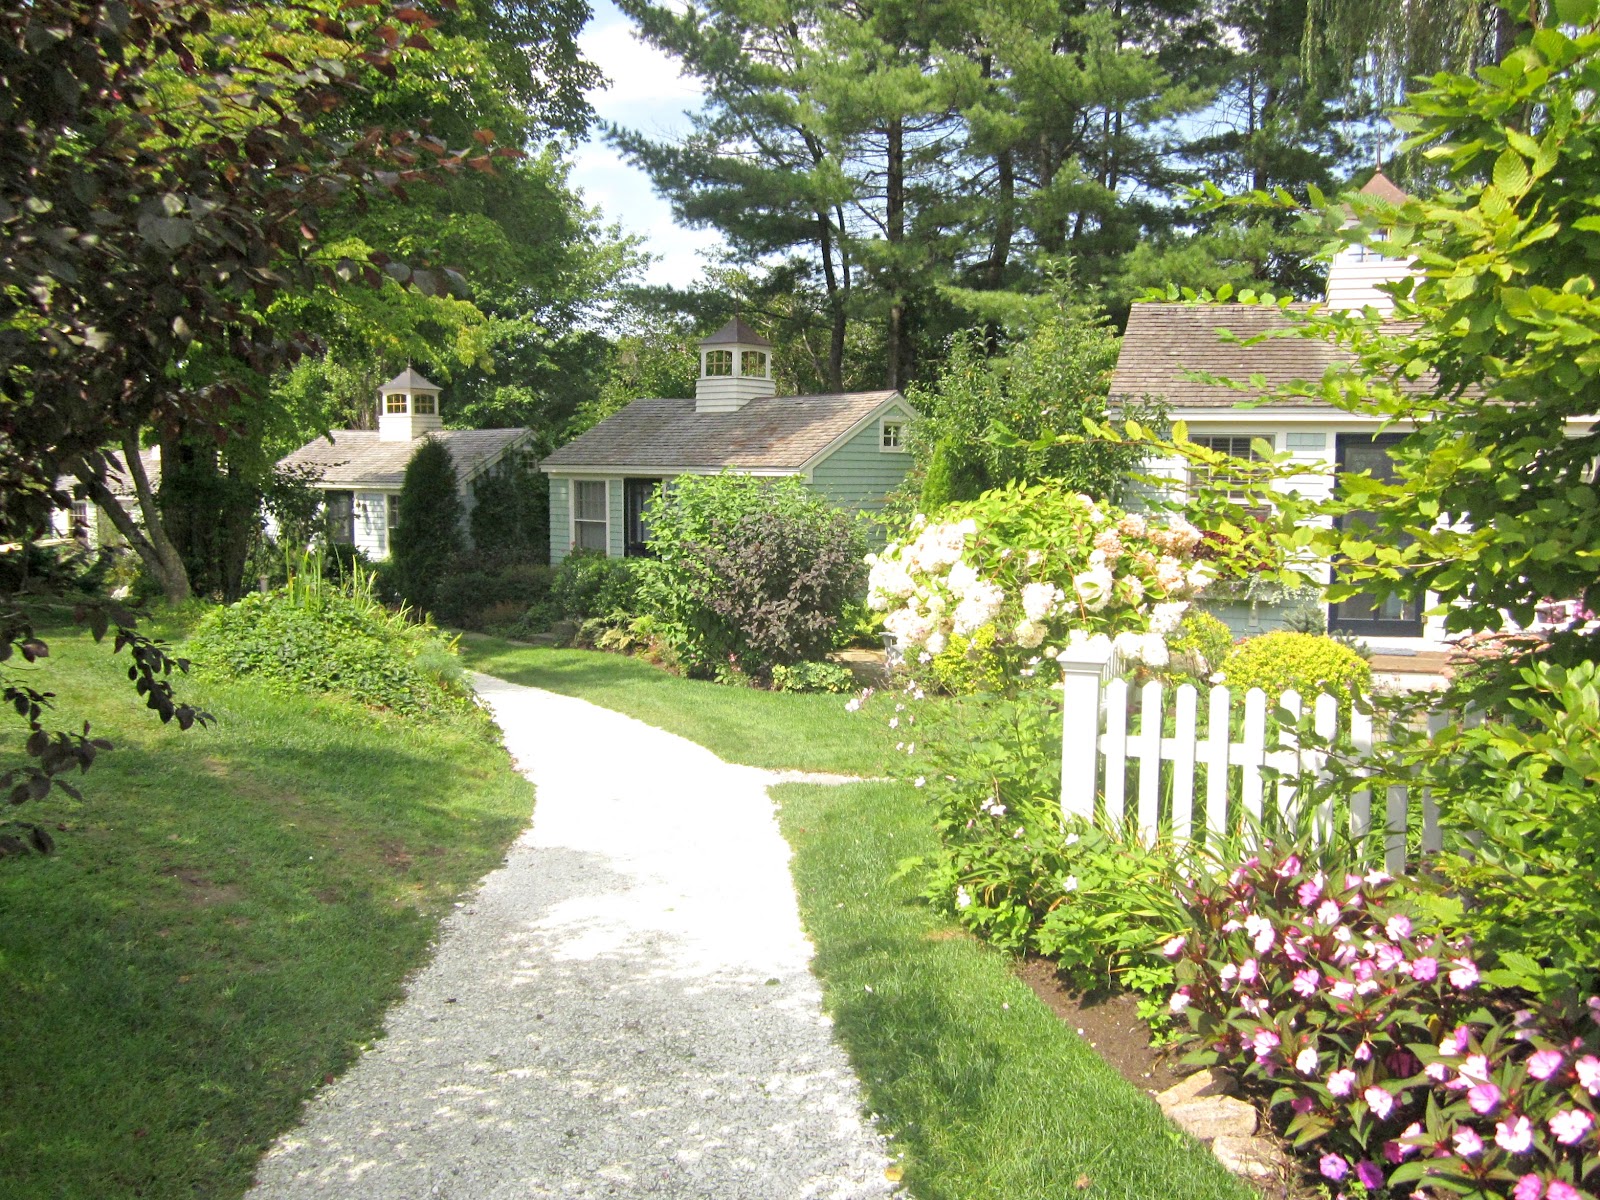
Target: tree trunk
895,225
151,542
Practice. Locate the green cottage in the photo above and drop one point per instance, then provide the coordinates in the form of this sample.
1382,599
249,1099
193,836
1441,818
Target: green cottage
849,447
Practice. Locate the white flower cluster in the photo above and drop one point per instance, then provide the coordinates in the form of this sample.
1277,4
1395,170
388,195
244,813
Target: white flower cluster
931,590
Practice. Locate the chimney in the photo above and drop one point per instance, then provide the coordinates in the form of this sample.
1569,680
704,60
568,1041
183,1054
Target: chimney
408,407
735,368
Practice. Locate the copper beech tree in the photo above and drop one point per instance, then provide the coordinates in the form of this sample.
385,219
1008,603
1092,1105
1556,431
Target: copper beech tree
160,186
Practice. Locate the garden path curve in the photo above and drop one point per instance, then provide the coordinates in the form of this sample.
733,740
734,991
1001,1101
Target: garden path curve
625,1008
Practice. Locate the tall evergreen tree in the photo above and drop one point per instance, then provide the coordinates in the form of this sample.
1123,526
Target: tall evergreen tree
429,533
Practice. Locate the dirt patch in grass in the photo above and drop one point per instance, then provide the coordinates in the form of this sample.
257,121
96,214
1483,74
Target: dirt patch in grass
1109,1023
203,893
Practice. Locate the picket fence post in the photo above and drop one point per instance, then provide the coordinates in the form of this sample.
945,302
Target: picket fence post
1083,670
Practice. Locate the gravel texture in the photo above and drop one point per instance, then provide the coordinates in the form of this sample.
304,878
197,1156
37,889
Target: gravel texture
624,1009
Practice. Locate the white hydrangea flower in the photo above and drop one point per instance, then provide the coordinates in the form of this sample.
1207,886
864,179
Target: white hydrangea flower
1135,587
1200,576
1039,600
1093,587
1107,542
936,642
1132,525
1153,651
1093,643
1170,574
1029,634
977,608
963,578
1129,645
1166,617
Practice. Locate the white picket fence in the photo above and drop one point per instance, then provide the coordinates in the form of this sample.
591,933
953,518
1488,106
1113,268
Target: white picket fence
1098,747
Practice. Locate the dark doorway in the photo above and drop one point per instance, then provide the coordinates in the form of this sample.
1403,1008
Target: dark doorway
636,497
1360,453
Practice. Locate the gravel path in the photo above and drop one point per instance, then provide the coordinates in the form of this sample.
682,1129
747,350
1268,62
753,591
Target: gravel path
624,1009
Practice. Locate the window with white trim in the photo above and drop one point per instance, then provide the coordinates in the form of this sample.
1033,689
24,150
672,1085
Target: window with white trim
424,403
590,519
395,404
893,436
753,362
1234,445
719,362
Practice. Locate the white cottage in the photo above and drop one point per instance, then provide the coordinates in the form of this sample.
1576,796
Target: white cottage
359,471
1165,342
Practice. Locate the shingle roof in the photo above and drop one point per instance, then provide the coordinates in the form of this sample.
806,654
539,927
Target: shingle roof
735,331
1381,186
355,458
769,433
409,381
1163,341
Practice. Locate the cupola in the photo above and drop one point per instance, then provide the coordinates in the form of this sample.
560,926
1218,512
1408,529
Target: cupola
735,368
1356,271
408,407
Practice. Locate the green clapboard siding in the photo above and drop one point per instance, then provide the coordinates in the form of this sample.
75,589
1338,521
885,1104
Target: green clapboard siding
614,496
858,475
560,519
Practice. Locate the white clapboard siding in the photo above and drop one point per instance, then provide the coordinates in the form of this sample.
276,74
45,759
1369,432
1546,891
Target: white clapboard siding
1248,784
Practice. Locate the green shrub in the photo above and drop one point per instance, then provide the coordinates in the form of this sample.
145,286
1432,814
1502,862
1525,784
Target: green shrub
968,665
750,573
463,596
312,636
1204,639
812,677
588,584
510,519
1304,662
428,537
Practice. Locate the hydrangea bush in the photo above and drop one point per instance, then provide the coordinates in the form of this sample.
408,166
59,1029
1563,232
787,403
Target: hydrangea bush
1024,569
1375,1035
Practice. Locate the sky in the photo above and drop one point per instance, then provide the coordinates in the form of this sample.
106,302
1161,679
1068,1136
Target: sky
648,94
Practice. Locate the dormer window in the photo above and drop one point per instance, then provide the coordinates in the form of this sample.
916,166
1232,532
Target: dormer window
753,362
395,403
425,403
719,362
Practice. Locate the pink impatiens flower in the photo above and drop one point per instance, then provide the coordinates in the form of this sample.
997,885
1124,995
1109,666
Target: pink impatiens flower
1588,1068
1248,972
1179,1001
1483,1099
1302,1104
1174,946
1560,1190
1397,927
1327,913
1370,1175
1468,1143
1309,892
1476,1068
1465,975
1306,1061
1288,868
1342,989
1529,1187
1305,982
1389,958
1334,1167
1514,1136
1379,1101
1424,969
1545,1063
1570,1125
1342,1082
1261,932
1264,1042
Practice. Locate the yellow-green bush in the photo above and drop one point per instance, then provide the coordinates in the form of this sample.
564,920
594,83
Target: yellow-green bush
1204,637
1307,663
969,665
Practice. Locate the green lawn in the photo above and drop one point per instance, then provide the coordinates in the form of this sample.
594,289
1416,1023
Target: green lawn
230,912
741,725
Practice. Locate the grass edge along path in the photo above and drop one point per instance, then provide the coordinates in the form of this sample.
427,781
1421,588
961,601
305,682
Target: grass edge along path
984,1090
748,726
230,913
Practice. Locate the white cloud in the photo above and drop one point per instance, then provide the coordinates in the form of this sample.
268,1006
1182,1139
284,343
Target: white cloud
647,92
